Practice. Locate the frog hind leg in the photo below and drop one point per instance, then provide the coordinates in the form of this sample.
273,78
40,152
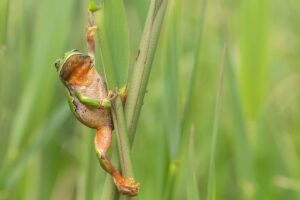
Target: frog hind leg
102,144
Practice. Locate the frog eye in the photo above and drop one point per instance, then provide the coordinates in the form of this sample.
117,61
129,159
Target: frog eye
75,50
57,63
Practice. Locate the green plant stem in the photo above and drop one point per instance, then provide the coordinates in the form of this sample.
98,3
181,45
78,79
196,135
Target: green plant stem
122,138
141,71
89,168
244,160
139,79
194,69
117,108
215,130
4,5
192,185
142,68
184,120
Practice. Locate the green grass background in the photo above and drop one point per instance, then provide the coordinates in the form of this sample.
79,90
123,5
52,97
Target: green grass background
45,153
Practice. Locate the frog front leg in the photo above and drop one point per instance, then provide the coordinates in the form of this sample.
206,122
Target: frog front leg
102,144
95,103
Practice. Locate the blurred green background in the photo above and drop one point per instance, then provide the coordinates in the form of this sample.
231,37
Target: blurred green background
45,153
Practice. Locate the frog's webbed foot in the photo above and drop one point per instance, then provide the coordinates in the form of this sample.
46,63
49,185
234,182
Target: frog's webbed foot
90,32
106,102
127,186
102,144
111,96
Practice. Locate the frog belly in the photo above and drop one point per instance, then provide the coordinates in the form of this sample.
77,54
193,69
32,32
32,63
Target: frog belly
92,117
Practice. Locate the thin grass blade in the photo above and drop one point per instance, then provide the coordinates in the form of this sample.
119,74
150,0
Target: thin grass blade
170,80
254,55
215,130
244,157
110,74
142,68
195,66
192,185
4,5
115,26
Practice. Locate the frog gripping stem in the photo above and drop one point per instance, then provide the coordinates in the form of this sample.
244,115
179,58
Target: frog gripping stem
90,35
102,144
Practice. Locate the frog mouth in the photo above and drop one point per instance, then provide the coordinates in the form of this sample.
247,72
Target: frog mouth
73,63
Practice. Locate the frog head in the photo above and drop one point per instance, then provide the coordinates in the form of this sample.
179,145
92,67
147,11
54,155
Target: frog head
71,60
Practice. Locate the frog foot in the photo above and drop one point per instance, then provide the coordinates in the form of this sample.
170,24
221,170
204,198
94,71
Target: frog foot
90,32
111,96
127,187
106,102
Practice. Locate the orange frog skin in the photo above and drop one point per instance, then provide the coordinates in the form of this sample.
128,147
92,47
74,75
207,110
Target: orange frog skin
90,103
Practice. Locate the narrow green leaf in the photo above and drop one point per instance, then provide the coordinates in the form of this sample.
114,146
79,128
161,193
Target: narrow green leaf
171,179
142,68
244,158
254,55
111,80
170,80
113,39
4,5
107,49
195,64
192,186
89,169
115,26
215,130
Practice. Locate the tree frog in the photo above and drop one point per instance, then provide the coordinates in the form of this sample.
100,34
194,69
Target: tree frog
90,103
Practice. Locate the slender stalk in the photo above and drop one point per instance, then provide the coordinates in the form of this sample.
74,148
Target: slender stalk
117,108
141,71
215,129
89,169
244,156
138,81
122,138
171,179
192,185
4,5
184,120
194,69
